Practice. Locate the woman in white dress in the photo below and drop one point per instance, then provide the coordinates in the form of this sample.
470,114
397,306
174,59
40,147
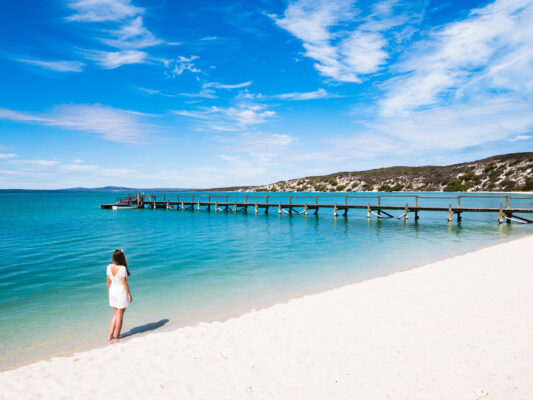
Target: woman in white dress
119,291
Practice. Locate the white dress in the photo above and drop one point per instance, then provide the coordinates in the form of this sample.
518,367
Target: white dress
118,298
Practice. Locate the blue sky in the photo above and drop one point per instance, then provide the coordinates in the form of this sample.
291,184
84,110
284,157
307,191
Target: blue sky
154,93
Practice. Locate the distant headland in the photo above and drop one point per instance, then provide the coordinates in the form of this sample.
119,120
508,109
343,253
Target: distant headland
501,173
100,189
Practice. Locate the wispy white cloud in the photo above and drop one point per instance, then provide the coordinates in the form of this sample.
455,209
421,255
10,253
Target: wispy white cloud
155,91
79,167
120,25
345,43
14,115
128,34
421,135
59,66
179,65
275,139
335,151
112,124
518,138
236,118
207,38
116,172
341,54
204,93
234,160
205,113
102,10
115,59
246,94
469,83
13,172
132,35
246,115
5,156
208,89
438,130
311,21
317,94
459,125
237,169
218,85
255,150
256,141
363,51
490,50
35,163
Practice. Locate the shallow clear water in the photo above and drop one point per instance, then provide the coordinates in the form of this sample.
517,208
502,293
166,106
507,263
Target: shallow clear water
190,266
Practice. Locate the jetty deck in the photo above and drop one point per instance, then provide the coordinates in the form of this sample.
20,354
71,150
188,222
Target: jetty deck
377,205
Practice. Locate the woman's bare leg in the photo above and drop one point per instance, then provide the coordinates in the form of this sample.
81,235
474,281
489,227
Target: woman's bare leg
118,322
113,324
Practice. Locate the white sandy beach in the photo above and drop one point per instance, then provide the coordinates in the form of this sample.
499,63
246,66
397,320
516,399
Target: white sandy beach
461,328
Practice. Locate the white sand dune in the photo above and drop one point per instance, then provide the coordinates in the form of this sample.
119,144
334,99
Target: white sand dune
457,329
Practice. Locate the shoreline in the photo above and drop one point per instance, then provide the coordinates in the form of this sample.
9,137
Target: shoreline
289,314
228,313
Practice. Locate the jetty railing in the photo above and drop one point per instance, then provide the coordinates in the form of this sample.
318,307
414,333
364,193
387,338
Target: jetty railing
381,205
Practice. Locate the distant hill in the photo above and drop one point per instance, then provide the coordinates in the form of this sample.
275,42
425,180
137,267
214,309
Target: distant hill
101,189
507,172
124,189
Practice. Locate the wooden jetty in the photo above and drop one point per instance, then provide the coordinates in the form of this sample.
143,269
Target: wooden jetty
298,204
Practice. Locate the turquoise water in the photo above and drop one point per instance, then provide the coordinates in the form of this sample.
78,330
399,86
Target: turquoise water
192,266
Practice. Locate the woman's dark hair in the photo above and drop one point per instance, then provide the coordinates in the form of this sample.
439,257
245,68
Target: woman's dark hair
119,258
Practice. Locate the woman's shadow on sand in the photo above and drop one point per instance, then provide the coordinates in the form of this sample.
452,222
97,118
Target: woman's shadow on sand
144,328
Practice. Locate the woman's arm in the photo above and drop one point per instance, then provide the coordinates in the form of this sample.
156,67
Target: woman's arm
125,282
108,282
